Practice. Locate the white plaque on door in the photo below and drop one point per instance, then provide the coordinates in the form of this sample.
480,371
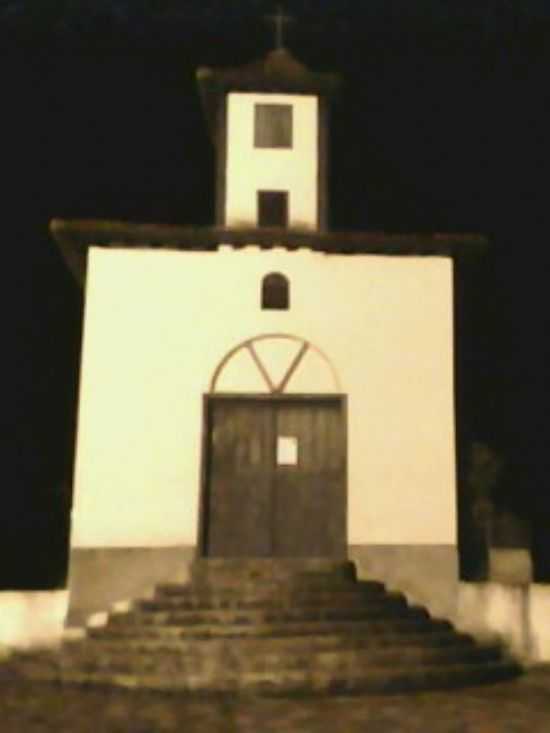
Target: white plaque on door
287,450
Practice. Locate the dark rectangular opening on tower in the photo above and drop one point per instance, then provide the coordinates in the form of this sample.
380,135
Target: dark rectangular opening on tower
273,126
272,208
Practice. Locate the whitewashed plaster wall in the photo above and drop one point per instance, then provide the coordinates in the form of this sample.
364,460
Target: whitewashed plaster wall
517,613
250,169
539,627
32,618
157,323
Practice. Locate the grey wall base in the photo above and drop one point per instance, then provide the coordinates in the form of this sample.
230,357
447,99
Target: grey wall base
426,574
99,577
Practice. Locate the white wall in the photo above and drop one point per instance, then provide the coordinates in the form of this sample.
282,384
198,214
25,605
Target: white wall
250,169
158,323
32,618
539,626
517,613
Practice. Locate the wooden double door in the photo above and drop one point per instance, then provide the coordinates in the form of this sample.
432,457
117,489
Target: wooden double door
275,478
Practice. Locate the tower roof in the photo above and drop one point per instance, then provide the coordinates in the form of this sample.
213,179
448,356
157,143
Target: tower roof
279,71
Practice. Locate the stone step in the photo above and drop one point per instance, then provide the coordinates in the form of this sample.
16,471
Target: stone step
316,588
282,644
374,680
204,631
196,600
221,570
45,664
243,659
255,616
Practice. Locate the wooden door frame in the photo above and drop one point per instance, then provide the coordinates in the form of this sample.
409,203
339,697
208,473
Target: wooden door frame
209,399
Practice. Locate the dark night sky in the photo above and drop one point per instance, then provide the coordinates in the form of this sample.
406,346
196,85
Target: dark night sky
442,125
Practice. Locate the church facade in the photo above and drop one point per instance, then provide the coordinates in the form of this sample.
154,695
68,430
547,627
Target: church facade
264,387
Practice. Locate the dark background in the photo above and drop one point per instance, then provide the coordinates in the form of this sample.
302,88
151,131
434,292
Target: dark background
442,125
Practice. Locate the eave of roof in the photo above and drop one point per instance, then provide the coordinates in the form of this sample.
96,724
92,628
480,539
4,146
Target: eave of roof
75,236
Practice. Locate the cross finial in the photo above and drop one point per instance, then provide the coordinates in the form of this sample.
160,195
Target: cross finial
279,21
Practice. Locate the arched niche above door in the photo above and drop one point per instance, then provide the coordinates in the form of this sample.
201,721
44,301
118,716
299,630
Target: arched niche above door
275,364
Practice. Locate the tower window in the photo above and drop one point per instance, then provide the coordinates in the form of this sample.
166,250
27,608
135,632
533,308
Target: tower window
273,126
272,208
275,292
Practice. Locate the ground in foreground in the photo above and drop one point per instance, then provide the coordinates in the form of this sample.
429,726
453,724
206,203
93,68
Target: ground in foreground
519,706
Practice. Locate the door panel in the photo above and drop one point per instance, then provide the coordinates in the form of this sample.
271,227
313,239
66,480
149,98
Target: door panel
309,498
276,478
239,506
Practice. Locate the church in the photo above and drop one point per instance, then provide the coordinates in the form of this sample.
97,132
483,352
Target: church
265,387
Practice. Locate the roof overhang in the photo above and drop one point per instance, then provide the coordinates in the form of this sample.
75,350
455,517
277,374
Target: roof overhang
74,237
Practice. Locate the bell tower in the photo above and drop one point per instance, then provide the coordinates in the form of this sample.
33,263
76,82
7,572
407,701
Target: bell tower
269,124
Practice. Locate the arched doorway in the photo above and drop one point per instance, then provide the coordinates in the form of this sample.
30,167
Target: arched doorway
274,479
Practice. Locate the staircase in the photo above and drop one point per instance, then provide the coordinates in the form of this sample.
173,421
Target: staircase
273,627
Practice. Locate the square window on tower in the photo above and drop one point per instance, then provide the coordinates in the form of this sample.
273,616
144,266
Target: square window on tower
273,209
273,126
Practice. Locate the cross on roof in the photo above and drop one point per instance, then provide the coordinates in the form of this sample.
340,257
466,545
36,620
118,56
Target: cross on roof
279,21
